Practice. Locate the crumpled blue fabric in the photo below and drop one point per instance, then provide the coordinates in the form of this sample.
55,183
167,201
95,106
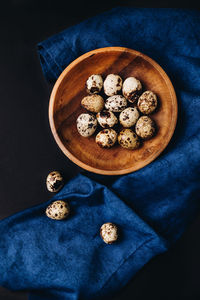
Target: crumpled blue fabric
152,207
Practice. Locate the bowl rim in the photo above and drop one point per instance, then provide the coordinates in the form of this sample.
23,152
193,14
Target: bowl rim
74,158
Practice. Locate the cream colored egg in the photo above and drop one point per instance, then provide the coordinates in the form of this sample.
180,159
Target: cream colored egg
106,119
145,127
132,89
54,181
147,102
58,210
93,103
112,84
116,103
128,139
129,116
106,138
86,124
94,84
109,233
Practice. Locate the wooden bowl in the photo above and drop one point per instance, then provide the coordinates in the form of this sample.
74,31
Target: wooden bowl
69,89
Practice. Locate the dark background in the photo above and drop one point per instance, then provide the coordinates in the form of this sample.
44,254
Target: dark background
28,151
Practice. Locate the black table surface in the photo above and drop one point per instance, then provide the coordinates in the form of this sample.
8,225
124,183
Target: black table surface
28,151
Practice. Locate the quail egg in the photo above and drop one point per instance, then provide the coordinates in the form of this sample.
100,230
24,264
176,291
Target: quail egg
94,84
147,102
145,127
128,139
112,84
116,103
106,138
86,124
129,117
54,181
109,233
58,210
131,89
106,119
93,103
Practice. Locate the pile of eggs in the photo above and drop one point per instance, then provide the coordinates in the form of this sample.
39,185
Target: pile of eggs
126,103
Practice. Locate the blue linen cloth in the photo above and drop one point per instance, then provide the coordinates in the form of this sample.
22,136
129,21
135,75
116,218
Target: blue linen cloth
152,207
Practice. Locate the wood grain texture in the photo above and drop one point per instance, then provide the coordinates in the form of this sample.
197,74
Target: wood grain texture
69,89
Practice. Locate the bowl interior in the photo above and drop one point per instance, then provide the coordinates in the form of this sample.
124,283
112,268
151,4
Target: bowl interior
65,108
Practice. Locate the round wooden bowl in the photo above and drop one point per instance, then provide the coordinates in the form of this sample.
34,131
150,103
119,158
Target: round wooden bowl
65,107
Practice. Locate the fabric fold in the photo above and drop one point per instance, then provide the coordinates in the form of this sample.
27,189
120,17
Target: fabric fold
69,255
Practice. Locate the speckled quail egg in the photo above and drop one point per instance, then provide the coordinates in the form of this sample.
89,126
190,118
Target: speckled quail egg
112,84
145,127
54,181
129,117
109,233
147,102
58,210
86,124
128,139
94,84
131,89
106,138
106,119
116,103
93,103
